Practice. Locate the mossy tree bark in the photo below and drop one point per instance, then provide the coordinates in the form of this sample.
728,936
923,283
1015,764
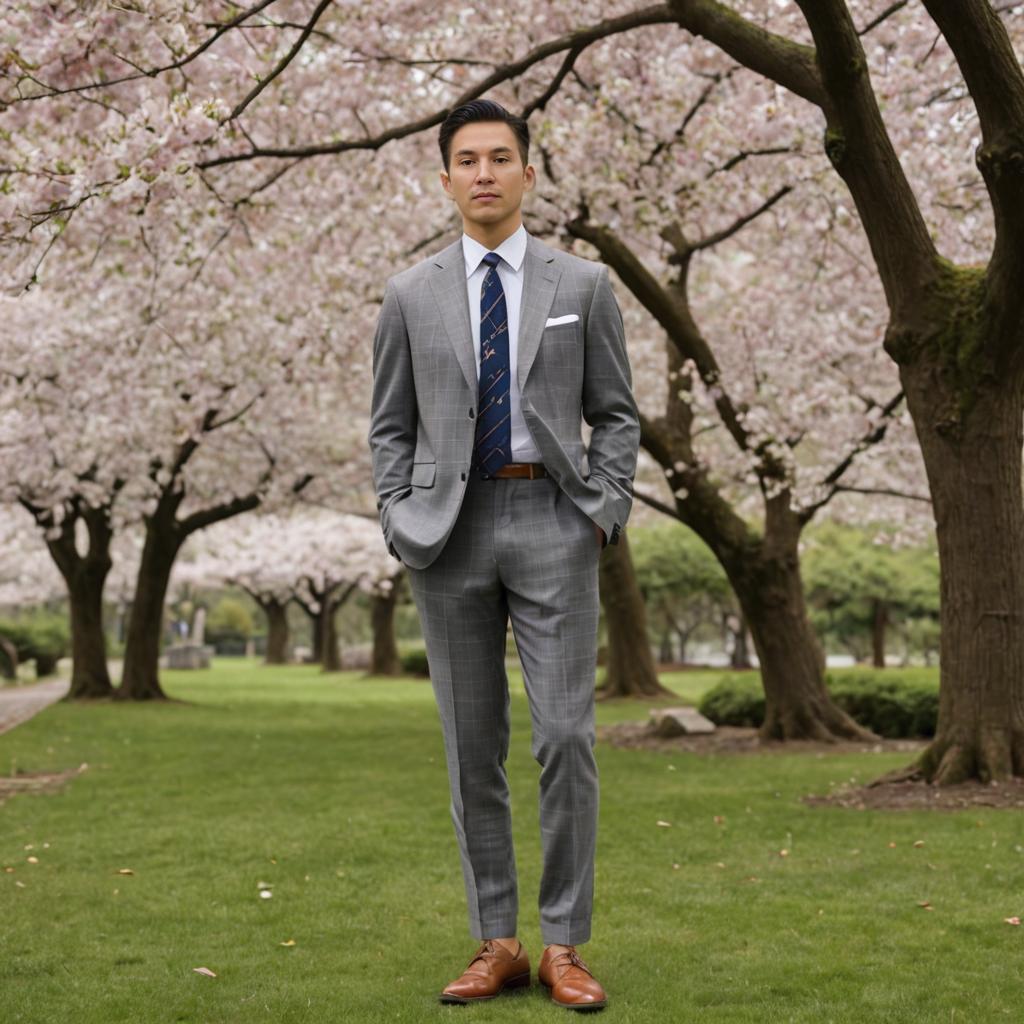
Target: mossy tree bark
957,335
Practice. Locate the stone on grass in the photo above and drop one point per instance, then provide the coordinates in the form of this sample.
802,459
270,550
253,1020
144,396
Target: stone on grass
188,656
669,722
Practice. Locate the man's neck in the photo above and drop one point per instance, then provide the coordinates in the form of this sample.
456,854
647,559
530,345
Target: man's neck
490,236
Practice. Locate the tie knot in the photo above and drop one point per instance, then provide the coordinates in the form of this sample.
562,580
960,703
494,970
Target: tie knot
492,259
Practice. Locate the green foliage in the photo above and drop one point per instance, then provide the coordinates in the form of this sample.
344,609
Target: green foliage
849,579
684,587
42,636
229,620
896,706
735,700
894,703
414,662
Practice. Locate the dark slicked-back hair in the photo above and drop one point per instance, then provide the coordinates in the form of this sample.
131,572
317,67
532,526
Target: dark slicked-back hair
482,110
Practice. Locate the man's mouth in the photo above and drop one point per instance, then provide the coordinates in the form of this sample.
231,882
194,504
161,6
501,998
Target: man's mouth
485,195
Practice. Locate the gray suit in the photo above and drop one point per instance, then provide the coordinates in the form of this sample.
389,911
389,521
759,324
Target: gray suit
482,552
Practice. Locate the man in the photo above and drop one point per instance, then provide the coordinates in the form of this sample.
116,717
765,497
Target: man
486,359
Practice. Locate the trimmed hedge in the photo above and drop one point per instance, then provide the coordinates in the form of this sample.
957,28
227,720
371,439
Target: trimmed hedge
894,703
43,637
414,662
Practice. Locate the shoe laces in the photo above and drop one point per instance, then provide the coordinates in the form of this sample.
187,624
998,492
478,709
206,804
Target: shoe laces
571,959
489,948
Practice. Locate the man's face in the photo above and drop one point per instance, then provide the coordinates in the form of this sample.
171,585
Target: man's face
485,176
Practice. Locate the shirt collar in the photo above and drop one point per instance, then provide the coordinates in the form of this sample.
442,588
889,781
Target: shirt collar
512,250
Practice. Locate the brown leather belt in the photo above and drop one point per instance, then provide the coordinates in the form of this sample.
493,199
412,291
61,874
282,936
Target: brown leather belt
524,470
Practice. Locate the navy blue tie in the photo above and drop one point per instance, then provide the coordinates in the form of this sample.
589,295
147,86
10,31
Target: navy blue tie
493,445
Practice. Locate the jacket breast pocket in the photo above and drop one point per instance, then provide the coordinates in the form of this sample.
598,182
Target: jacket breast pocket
423,474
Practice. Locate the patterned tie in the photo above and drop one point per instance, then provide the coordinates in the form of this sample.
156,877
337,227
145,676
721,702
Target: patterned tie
493,445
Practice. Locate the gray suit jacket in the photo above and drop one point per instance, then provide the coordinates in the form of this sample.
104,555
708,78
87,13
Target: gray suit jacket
425,390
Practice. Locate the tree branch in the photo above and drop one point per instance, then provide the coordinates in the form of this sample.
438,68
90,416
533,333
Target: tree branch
886,491
991,69
869,438
578,40
151,72
670,310
284,61
776,57
859,147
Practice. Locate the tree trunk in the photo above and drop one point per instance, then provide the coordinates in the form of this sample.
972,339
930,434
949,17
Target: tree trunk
330,656
740,656
316,643
90,677
140,679
385,660
684,643
972,451
84,576
630,670
770,590
277,630
879,620
666,653
8,659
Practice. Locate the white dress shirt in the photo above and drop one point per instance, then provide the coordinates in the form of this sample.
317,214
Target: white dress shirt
510,271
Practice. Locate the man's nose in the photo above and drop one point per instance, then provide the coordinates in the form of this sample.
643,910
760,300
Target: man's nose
484,172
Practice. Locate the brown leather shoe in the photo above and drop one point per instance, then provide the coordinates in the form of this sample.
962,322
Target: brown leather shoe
570,981
488,974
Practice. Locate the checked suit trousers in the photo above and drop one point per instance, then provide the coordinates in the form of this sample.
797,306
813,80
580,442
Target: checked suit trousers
520,551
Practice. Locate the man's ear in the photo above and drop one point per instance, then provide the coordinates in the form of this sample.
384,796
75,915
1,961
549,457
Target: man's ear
529,178
446,184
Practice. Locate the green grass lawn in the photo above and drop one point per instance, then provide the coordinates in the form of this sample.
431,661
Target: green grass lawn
332,790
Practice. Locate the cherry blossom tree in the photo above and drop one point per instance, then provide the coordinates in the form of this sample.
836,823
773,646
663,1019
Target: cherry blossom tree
909,106
316,558
167,397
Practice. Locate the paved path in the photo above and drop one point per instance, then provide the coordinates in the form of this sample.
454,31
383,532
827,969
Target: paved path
20,703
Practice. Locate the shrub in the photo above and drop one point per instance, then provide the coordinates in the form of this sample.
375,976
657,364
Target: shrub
896,704
42,636
414,662
229,626
735,700
892,705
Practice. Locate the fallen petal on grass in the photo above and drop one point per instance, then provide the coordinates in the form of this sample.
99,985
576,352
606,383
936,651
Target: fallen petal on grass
204,971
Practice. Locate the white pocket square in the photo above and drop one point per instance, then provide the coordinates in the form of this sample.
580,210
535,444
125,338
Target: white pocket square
554,321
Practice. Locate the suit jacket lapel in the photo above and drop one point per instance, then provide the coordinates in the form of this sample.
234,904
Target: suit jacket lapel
448,283
539,283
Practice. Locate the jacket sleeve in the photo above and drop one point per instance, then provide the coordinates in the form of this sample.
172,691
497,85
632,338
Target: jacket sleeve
393,410
609,407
